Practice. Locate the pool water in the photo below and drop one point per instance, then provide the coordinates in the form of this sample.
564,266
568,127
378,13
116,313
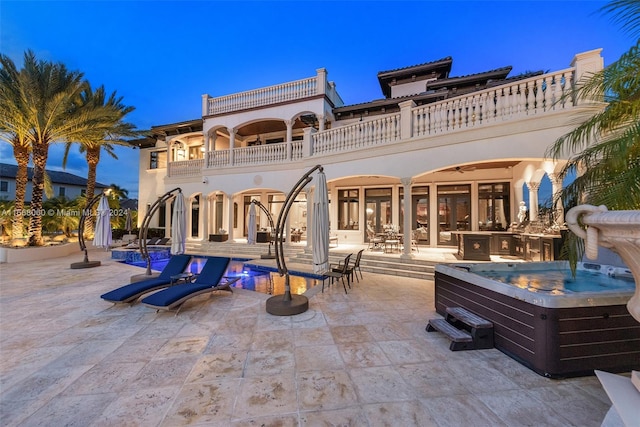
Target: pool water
252,278
560,281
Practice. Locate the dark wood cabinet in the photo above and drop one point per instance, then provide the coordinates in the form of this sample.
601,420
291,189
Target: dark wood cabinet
502,244
478,246
263,237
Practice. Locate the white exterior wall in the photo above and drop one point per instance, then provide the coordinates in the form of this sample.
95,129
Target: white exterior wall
406,89
354,161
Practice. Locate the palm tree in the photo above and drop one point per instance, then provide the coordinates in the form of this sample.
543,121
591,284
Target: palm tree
44,109
65,218
118,192
110,112
608,142
15,133
47,107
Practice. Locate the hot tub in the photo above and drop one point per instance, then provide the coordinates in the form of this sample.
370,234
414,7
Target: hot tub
556,332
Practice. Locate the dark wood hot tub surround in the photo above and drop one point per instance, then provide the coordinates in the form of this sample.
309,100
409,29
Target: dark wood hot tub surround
554,342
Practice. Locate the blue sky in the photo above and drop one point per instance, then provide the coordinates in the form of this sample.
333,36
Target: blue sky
161,56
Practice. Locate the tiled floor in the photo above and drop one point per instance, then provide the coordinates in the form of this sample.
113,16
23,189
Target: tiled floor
362,359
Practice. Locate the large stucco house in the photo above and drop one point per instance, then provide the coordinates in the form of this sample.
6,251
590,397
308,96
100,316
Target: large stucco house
456,152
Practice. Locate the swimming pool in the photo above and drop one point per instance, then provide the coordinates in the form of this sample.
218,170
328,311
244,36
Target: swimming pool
551,325
253,278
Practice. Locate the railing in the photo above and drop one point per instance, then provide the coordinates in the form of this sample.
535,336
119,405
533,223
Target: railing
185,168
261,154
265,96
357,136
522,98
218,158
297,150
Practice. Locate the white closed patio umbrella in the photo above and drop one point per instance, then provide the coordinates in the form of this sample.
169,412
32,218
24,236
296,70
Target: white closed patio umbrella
178,226
320,227
128,222
252,232
102,236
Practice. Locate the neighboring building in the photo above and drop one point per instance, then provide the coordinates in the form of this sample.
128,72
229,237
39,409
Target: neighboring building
63,183
457,153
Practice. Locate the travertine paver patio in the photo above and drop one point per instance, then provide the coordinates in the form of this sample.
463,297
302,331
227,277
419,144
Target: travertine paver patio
362,359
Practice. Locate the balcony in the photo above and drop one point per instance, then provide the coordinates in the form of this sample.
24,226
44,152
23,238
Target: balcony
273,95
533,97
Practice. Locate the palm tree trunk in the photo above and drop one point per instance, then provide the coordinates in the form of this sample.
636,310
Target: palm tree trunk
21,154
40,154
93,157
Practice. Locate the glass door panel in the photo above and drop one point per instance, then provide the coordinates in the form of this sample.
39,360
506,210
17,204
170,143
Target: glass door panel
454,212
377,210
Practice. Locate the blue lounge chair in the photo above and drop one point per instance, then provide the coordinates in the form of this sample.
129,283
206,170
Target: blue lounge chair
130,293
210,279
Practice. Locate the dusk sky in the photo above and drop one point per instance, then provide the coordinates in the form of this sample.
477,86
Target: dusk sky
162,56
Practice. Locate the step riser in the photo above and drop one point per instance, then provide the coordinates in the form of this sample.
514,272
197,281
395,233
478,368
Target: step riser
370,263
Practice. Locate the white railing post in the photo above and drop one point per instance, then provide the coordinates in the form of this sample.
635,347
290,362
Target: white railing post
586,64
405,119
307,142
232,144
205,105
321,84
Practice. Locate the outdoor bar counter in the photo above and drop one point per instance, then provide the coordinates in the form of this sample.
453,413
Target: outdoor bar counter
480,245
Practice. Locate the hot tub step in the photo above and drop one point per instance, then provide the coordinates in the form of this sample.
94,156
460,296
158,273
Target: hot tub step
481,329
460,339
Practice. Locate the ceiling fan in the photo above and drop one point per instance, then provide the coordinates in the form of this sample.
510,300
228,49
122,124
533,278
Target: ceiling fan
463,169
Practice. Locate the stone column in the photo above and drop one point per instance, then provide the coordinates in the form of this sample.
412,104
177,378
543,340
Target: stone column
558,208
204,216
289,125
320,123
232,144
229,198
533,200
207,148
406,222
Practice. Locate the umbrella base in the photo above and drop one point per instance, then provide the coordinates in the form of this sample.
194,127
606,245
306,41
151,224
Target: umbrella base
278,306
84,264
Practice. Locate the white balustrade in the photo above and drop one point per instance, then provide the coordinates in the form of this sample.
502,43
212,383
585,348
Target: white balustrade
260,154
508,102
369,133
186,168
297,150
514,101
218,158
290,91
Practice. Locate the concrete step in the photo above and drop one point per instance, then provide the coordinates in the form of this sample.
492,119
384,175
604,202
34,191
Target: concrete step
372,261
379,264
237,250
